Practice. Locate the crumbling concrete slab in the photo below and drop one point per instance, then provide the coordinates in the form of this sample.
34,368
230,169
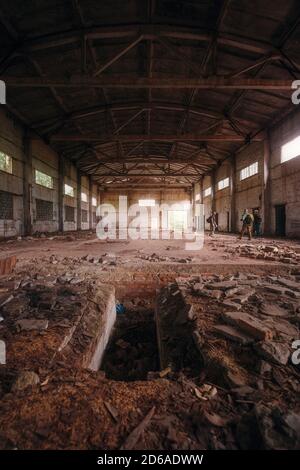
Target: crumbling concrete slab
232,333
274,352
249,324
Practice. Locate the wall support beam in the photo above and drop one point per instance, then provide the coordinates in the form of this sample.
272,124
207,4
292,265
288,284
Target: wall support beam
233,215
213,189
90,203
27,185
79,199
61,182
267,207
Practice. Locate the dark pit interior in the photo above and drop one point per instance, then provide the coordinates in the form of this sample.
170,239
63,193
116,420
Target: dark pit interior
132,351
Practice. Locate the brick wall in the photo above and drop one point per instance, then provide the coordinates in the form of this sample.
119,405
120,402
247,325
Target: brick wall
6,206
44,210
69,214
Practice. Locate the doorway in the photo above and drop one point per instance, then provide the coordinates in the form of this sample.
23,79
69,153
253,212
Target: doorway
280,219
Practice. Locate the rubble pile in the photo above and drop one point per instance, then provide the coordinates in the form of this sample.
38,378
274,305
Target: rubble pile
226,377
244,378
49,319
156,258
267,252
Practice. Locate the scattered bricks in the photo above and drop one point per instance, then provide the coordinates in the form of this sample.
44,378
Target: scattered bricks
273,310
249,324
222,285
233,334
232,305
280,291
289,283
231,292
197,288
191,314
7,265
274,352
282,327
243,295
215,294
31,324
292,293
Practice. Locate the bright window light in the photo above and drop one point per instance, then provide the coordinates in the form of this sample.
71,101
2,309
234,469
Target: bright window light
69,190
290,150
84,197
5,163
147,202
94,202
43,179
222,184
207,192
249,171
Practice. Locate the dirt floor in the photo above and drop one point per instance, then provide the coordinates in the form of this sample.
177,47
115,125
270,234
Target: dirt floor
216,372
222,248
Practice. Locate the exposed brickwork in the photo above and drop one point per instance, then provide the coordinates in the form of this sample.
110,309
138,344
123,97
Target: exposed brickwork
84,216
69,214
6,206
44,210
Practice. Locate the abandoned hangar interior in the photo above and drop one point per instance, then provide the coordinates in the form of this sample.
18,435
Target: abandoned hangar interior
138,138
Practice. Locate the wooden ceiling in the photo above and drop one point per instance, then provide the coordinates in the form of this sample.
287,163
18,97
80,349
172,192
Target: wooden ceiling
149,91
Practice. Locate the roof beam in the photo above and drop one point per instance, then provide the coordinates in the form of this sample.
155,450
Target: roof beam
157,137
118,56
188,33
153,106
221,83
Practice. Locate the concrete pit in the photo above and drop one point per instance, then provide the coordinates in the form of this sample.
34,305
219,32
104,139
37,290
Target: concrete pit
132,350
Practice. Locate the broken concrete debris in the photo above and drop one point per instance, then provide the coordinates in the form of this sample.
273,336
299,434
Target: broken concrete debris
274,352
249,324
276,252
224,346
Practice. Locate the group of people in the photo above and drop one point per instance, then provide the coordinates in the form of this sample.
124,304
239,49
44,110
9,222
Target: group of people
251,223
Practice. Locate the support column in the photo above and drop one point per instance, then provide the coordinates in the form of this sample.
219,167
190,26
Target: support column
27,185
233,216
61,183
90,203
267,207
213,190
201,190
78,200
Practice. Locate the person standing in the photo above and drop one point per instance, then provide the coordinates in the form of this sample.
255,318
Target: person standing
247,219
212,220
257,223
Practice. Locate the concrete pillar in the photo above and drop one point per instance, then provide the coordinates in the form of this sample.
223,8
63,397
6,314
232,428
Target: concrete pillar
90,203
201,189
267,207
98,196
78,200
233,215
61,183
27,185
213,189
